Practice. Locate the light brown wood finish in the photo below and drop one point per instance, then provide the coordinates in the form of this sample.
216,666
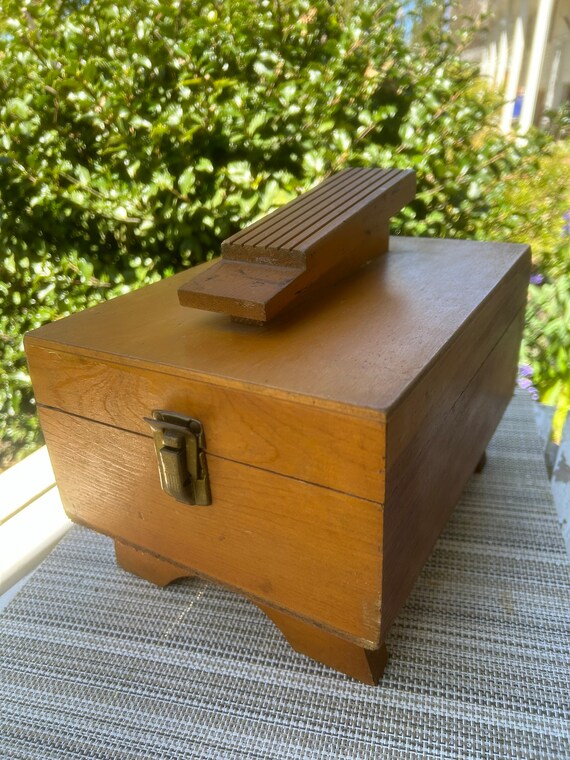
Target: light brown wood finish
366,665
240,425
362,664
426,482
260,393
148,566
358,349
290,235
289,544
338,438
307,244
420,406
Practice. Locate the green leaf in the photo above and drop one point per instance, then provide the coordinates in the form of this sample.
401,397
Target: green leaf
133,168
83,174
313,163
139,123
550,395
341,140
187,180
257,121
407,133
240,173
204,165
18,108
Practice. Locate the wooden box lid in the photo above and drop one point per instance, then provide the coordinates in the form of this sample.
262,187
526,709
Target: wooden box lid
333,368
358,346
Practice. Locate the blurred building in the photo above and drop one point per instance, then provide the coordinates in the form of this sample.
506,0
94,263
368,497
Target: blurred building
524,51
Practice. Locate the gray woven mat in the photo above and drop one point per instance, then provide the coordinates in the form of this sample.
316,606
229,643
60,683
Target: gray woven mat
96,663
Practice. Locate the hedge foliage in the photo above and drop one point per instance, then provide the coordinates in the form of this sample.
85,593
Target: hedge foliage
545,198
136,135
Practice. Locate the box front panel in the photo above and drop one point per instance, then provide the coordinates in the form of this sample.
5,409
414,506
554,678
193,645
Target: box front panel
301,440
294,545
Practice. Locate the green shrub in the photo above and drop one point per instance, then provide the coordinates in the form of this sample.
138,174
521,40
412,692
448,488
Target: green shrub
136,135
539,203
546,348
558,121
546,344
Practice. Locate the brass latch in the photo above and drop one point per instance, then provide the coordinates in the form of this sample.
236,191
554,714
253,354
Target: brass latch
179,442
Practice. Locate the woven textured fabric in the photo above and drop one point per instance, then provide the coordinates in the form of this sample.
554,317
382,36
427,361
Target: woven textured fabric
96,663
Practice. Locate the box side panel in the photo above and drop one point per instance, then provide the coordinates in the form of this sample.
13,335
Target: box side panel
303,441
295,546
420,407
427,479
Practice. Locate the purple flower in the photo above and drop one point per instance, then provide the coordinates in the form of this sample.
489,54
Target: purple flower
536,279
524,381
525,370
566,228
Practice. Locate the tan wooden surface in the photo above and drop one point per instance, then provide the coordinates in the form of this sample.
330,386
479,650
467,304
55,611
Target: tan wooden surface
266,432
421,407
293,545
315,221
148,566
358,348
363,664
425,483
307,244
339,437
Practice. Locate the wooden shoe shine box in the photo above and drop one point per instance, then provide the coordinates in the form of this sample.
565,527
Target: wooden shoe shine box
310,462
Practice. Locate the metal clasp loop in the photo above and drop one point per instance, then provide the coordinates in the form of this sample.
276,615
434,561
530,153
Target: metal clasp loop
179,442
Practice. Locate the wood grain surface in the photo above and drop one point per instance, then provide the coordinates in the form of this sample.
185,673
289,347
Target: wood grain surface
291,545
148,566
421,405
357,349
307,244
351,200
338,438
425,482
316,445
366,665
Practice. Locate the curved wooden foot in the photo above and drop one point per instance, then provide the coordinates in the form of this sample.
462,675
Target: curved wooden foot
481,463
147,566
362,664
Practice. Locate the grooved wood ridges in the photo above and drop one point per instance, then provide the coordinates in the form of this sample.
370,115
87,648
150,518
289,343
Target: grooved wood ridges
312,242
344,192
